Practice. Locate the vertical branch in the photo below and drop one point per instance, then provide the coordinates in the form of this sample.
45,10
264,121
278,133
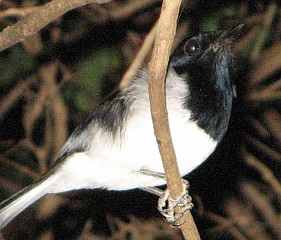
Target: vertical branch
138,60
268,19
57,107
157,73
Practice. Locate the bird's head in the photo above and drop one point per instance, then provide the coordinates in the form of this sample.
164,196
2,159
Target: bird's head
204,62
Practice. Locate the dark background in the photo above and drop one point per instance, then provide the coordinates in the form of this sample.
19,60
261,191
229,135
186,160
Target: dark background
86,52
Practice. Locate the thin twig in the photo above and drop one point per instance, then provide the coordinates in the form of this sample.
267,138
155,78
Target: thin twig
143,51
9,185
259,127
13,96
17,12
157,73
264,148
56,106
120,12
273,122
131,8
264,96
138,60
268,93
245,219
24,143
268,19
266,209
268,63
38,19
47,143
21,168
265,172
33,110
225,224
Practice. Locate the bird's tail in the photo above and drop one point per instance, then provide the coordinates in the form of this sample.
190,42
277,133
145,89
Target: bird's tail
14,205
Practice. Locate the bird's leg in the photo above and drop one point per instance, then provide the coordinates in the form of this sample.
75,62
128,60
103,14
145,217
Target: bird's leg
152,173
167,205
153,190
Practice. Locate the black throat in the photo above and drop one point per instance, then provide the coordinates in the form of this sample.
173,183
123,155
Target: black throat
210,95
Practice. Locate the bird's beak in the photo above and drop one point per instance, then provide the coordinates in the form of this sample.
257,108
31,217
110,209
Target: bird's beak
226,38
229,36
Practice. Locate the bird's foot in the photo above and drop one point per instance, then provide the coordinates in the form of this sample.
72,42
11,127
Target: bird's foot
168,207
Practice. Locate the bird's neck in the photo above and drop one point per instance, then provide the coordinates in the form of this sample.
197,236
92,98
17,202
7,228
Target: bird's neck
210,99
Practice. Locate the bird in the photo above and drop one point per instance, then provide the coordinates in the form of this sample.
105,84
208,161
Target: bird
115,146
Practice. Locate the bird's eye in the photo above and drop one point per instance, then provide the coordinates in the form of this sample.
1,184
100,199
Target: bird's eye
192,48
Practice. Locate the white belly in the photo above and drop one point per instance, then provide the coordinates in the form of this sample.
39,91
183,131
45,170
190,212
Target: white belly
114,163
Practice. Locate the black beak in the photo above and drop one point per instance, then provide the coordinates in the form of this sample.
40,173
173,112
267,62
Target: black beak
226,38
229,36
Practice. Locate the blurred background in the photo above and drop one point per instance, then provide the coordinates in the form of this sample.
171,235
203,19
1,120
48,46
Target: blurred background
51,82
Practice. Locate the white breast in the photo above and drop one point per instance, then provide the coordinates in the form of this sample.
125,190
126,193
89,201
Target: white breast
114,162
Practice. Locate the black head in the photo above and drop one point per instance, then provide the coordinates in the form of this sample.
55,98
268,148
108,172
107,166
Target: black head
204,61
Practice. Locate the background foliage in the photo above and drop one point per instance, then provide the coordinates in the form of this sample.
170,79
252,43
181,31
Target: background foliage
51,81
